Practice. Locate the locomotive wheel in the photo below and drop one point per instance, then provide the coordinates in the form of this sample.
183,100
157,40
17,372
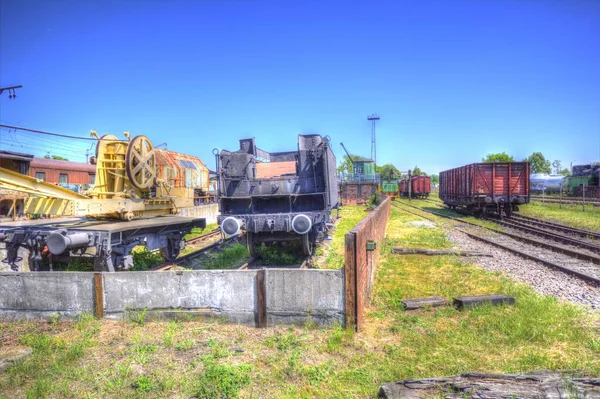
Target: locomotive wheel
171,251
140,162
307,244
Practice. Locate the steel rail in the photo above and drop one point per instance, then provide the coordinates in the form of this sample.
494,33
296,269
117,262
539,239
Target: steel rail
555,226
574,254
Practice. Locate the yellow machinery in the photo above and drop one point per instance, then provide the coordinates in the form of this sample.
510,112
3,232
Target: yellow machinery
126,185
126,188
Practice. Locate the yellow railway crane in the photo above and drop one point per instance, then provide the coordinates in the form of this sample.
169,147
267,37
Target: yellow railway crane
134,208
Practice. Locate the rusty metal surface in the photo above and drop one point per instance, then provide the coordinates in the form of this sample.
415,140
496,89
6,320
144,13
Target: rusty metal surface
192,173
365,262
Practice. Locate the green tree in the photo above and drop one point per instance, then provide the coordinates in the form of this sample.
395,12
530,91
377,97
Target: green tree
388,171
346,165
498,157
557,166
417,171
539,163
565,172
57,157
435,179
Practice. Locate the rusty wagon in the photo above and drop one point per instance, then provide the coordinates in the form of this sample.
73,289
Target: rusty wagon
498,187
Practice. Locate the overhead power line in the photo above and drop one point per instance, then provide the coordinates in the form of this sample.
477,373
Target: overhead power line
54,134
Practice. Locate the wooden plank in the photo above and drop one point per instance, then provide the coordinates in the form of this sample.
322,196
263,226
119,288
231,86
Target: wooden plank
420,303
261,296
465,302
422,251
350,280
98,296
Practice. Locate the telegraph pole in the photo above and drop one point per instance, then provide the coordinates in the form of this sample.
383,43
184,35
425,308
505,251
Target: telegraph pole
11,90
373,118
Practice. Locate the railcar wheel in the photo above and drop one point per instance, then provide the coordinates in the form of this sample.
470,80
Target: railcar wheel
307,244
508,210
140,162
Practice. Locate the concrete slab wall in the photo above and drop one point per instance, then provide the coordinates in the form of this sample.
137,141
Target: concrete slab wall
291,296
38,295
298,296
208,211
227,293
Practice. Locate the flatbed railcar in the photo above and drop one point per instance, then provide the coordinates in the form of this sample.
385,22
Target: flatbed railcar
278,196
498,187
420,187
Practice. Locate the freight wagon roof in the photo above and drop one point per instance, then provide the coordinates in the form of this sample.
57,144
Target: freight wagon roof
265,170
486,163
173,159
45,163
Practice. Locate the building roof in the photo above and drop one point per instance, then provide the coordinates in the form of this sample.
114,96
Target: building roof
18,156
173,159
62,165
265,170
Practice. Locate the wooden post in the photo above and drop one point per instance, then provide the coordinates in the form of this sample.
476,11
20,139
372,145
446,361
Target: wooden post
261,298
98,296
350,280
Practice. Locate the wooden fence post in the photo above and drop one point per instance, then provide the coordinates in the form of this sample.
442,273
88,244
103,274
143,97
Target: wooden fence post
98,296
261,296
350,280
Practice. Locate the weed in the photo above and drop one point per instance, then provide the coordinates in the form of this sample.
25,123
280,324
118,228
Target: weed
337,337
169,333
283,341
185,345
144,259
143,384
230,257
54,319
140,352
136,316
280,254
218,349
594,344
222,380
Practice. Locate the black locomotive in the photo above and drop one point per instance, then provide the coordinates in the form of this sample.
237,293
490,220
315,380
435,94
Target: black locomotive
278,196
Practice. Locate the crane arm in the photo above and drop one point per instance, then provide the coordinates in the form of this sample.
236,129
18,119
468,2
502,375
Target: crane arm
11,180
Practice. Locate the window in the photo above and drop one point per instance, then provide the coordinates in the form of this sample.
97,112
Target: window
187,164
40,176
63,178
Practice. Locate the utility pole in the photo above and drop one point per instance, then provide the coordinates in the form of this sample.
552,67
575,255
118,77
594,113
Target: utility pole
11,90
373,118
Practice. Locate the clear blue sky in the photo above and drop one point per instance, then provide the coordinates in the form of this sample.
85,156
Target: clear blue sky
452,80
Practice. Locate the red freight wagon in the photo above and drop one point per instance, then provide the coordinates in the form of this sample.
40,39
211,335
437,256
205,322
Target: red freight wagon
483,187
62,172
420,187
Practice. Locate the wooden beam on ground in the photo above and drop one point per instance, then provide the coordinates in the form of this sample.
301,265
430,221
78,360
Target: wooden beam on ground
422,251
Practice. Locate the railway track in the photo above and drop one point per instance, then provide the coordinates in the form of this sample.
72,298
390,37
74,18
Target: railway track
572,262
556,226
567,200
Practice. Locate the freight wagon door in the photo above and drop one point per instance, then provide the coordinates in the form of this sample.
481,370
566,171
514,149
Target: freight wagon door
501,186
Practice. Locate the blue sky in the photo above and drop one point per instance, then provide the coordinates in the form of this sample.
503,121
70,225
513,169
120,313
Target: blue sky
451,80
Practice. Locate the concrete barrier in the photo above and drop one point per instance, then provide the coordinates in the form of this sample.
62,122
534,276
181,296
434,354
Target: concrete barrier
298,296
208,211
288,296
29,295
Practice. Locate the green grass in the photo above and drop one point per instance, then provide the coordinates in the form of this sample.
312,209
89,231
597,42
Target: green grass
351,216
196,232
230,257
569,215
280,254
215,360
